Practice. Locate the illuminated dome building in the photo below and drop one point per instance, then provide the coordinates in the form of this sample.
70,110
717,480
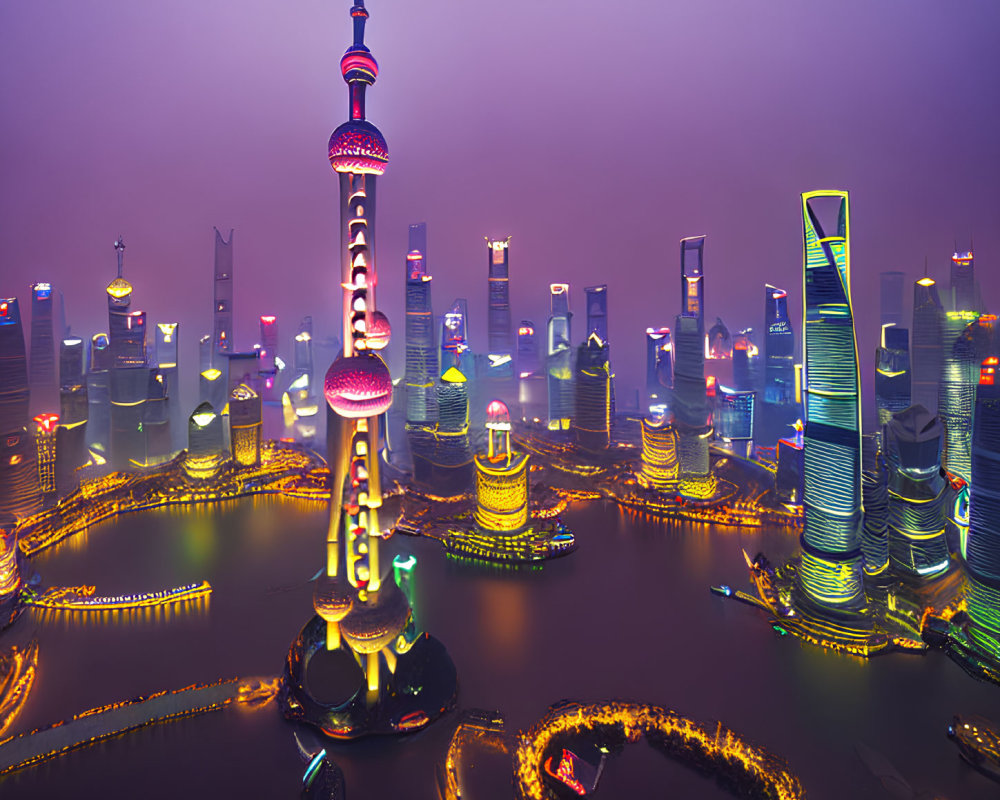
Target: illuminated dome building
925,345
559,358
591,424
830,575
892,373
917,493
659,455
982,548
360,618
501,477
245,426
206,449
18,473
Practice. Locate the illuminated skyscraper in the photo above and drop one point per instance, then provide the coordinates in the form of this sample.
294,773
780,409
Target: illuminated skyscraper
892,372
693,280
532,390
245,426
982,548
779,348
559,358
964,293
10,570
597,310
45,454
454,339
18,473
269,362
222,307
659,368
719,342
917,493
501,477
42,363
875,502
733,419
925,344
129,392
71,362
71,444
831,546
99,396
591,424
126,328
422,368
527,349
659,454
302,351
965,344
500,340
206,450
891,298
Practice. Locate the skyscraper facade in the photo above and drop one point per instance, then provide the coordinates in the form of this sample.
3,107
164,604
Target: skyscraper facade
19,493
500,336
964,292
965,343
597,310
421,353
42,362
559,358
659,454
779,348
693,280
925,344
891,297
591,424
892,372
831,556
659,368
222,307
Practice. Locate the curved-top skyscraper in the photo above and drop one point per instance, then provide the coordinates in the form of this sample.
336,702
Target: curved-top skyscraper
831,544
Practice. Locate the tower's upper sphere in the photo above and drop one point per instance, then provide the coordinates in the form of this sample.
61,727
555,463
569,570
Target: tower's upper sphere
358,64
358,386
377,336
358,146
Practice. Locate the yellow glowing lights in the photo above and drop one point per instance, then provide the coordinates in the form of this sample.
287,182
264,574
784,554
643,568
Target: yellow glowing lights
926,282
119,288
211,374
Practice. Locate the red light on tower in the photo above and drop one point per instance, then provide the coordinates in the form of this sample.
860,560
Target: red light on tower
988,371
710,386
268,319
47,422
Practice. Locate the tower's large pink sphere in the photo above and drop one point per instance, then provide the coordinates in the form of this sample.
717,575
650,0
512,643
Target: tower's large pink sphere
379,332
358,386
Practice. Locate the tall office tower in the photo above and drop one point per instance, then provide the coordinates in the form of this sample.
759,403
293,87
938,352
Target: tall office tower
71,362
982,546
500,334
925,344
157,427
213,388
126,329
71,436
875,504
45,454
99,396
779,348
559,358
597,310
206,352
269,362
501,477
733,419
693,280
891,298
659,454
454,339
965,343
422,368
240,368
167,359
746,362
10,570
892,372
528,361
964,294
19,493
789,477
691,412
532,389
129,392
917,493
245,426
222,307
831,538
591,424
166,345
659,369
42,363
206,450
718,342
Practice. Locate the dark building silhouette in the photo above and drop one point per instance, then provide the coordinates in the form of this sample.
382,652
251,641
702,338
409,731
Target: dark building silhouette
222,306
892,372
591,424
926,344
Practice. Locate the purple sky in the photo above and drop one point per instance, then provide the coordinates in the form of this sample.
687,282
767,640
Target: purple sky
596,137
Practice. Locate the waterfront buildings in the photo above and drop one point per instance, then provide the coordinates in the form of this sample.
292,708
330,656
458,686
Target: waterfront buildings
659,454
982,548
830,574
245,426
10,572
45,454
206,449
733,419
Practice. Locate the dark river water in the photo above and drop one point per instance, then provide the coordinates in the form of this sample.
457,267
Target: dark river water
628,615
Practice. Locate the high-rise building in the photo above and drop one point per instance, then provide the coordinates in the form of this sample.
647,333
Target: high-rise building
206,454
71,362
965,343
455,340
733,419
718,341
559,358
746,362
222,307
597,310
422,368
500,339
789,477
982,546
269,362
917,493
892,372
45,454
875,505
659,368
779,348
126,328
693,280
925,344
245,426
891,298
532,390
964,292
591,424
659,454
691,412
19,493
129,392
42,363
831,568
501,477
99,396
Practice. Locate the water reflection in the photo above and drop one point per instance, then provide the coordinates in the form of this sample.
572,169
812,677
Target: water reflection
504,615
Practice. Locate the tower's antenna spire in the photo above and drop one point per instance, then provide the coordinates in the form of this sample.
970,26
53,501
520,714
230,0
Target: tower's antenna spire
360,16
120,250
925,265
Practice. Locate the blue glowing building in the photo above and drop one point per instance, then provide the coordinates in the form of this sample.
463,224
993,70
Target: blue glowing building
892,372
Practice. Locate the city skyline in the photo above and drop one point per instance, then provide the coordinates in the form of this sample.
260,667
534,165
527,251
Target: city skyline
734,147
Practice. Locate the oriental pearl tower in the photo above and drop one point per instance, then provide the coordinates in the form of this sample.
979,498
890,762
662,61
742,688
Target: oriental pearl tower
360,666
